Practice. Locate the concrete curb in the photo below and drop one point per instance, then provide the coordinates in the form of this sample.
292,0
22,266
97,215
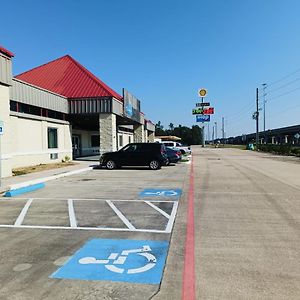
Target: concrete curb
43,180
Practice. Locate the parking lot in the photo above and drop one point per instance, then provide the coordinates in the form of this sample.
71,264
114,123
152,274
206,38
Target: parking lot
132,210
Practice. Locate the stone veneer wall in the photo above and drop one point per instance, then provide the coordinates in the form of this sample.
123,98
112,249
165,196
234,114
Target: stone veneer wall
138,133
108,132
151,137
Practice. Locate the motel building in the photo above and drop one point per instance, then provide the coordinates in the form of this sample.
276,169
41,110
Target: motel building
60,110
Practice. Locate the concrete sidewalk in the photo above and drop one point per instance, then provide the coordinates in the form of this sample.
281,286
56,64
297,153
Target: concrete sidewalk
42,176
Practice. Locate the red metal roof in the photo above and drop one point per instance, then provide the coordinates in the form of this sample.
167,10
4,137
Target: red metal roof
66,77
6,52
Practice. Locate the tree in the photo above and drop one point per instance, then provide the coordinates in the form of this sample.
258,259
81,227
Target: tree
159,129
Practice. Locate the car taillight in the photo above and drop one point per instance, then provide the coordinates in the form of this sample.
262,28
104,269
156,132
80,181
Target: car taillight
178,153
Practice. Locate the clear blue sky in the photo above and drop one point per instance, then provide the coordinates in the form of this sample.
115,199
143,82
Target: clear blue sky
164,50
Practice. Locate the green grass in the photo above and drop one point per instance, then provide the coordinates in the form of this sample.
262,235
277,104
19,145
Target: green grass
241,147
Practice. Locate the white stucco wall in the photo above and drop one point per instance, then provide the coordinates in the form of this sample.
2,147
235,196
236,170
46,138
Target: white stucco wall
30,142
127,138
5,142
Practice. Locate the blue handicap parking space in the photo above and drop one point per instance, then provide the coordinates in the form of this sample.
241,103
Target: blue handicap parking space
136,261
161,193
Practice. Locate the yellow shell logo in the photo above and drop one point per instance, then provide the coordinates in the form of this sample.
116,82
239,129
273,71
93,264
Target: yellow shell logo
202,92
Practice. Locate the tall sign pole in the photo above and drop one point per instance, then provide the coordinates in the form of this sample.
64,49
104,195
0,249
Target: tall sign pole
202,94
203,113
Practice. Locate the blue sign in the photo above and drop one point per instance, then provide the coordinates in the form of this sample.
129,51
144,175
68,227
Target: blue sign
137,261
129,109
161,192
203,118
1,127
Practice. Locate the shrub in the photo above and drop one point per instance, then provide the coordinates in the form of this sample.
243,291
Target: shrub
66,159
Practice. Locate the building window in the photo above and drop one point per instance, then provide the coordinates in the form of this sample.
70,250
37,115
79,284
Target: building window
95,140
13,106
121,140
36,110
52,138
129,139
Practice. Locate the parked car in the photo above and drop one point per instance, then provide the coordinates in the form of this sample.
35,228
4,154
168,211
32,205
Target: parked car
174,155
183,149
136,154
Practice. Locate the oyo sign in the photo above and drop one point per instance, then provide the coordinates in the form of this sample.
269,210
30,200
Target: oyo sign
203,118
203,111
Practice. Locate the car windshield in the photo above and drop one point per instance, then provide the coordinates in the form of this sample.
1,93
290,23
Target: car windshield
129,148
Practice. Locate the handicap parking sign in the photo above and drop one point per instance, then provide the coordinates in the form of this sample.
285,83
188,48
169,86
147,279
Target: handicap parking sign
161,193
137,261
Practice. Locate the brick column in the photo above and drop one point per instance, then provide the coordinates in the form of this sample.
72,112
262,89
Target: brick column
108,133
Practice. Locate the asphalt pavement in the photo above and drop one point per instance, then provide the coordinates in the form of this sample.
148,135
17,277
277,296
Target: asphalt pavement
226,226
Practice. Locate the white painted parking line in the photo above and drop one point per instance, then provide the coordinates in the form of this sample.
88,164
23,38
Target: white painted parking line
172,218
85,228
92,199
73,220
23,213
120,215
158,209
72,217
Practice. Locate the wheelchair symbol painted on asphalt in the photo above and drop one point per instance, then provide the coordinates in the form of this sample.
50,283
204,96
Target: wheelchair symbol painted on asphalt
161,192
120,260
137,261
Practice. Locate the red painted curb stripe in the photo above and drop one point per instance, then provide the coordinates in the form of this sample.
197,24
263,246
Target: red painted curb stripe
188,283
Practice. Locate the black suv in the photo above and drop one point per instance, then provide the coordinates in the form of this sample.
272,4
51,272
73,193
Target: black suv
136,154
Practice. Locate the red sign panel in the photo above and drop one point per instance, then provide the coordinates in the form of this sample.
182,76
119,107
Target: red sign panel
203,111
209,111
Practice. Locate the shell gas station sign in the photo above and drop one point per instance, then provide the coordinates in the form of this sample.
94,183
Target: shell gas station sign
202,92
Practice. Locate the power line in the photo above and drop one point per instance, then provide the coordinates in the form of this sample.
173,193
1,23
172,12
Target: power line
283,78
286,93
282,86
285,110
242,109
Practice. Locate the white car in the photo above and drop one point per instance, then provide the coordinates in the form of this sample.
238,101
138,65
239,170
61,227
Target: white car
183,149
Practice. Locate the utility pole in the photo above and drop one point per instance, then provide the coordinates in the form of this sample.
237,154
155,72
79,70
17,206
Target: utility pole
264,96
213,134
257,120
223,130
208,133
216,130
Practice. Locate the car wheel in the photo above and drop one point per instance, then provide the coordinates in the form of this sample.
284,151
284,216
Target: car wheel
110,165
154,165
182,151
